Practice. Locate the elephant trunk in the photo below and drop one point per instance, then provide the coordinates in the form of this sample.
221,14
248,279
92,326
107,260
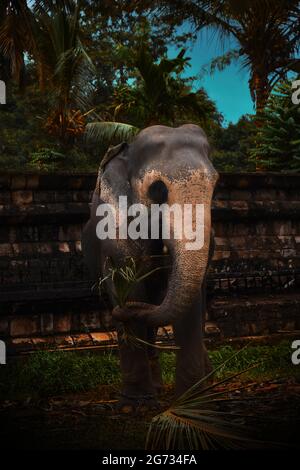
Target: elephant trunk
189,258
184,287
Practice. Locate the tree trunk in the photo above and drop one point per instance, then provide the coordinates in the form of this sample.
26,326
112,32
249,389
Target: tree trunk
261,88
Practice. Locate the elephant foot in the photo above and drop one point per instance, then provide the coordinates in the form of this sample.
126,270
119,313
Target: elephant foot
136,404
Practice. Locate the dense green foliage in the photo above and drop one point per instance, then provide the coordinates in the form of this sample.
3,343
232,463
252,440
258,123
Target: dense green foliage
231,149
157,95
278,141
81,75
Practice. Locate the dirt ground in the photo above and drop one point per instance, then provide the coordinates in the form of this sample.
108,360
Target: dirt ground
88,420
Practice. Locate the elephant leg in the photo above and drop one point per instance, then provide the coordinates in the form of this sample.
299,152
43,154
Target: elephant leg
191,358
153,355
138,390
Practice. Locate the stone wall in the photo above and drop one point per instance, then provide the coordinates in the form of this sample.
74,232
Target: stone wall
45,286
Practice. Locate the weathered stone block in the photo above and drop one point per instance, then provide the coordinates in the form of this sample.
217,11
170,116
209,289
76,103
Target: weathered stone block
62,322
6,249
18,182
48,232
238,195
77,182
265,194
4,234
28,233
24,249
25,325
104,338
47,325
63,196
44,197
4,327
71,232
32,181
221,243
82,340
5,182
20,344
21,198
64,247
219,255
43,342
78,247
5,197
45,248
90,320
239,242
239,205
81,196
64,341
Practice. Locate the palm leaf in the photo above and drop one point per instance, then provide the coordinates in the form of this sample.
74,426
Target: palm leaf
110,132
193,422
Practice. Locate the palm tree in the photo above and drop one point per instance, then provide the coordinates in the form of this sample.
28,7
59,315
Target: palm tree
69,70
266,31
50,34
159,96
15,34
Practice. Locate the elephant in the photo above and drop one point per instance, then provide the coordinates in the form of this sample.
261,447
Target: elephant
161,165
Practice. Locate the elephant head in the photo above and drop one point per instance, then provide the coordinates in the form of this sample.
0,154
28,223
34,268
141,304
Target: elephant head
170,166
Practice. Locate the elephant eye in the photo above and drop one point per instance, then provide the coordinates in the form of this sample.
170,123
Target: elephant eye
158,192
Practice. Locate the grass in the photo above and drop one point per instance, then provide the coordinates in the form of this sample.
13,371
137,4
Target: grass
45,374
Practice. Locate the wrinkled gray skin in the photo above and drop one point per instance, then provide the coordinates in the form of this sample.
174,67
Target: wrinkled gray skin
179,158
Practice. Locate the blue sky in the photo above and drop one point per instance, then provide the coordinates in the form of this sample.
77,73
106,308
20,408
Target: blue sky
229,88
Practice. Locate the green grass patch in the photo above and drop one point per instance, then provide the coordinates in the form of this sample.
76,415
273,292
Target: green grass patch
272,361
45,374
52,373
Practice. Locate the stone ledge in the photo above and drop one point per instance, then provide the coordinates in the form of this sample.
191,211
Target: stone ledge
98,342
102,340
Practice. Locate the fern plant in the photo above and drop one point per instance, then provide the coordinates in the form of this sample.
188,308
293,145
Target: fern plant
46,159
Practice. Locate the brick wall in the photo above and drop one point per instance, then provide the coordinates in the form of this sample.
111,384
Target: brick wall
44,284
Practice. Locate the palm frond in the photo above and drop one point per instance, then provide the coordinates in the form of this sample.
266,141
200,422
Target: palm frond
110,132
194,422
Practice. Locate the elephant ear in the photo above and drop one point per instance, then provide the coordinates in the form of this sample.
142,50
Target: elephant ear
112,152
112,182
113,177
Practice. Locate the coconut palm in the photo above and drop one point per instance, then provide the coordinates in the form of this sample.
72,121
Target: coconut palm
267,34
50,35
15,34
69,69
